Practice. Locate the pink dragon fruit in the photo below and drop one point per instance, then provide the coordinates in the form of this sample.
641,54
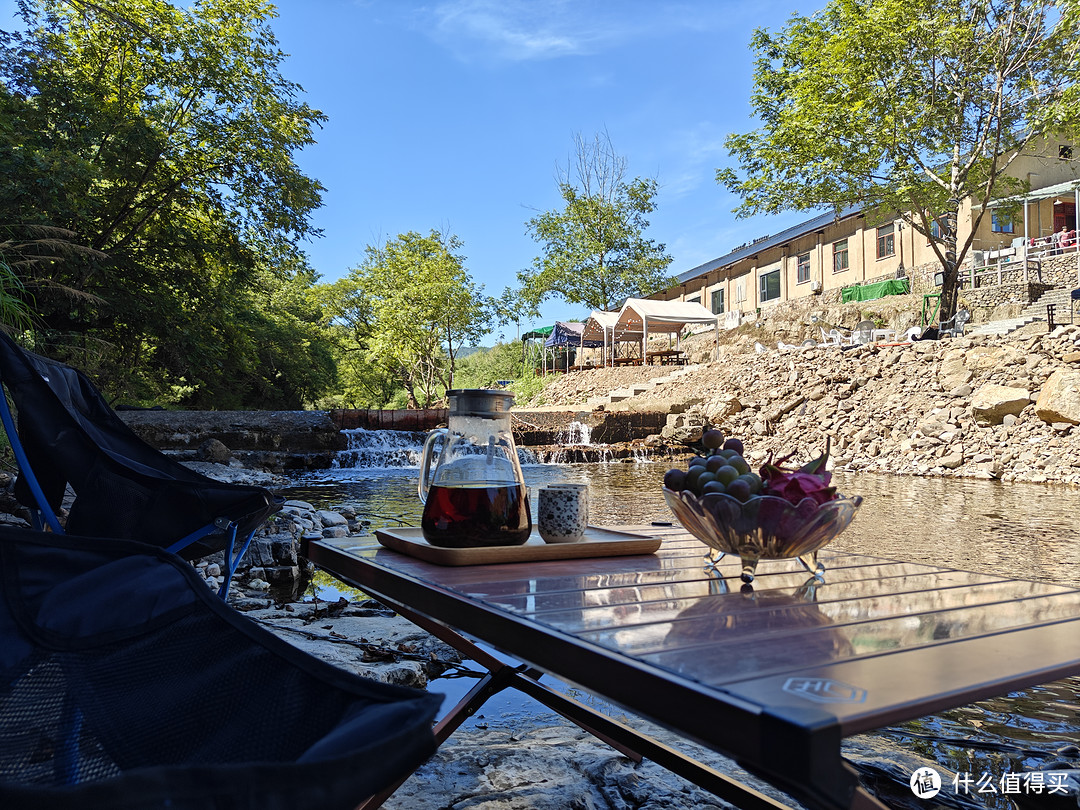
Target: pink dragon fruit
794,485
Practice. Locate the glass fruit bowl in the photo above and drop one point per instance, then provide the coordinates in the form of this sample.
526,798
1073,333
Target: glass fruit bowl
765,527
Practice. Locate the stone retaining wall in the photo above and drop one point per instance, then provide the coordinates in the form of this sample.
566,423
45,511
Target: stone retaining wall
373,419
293,440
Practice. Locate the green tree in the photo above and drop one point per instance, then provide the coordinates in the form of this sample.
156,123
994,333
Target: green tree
512,307
906,109
364,381
484,369
163,139
594,249
412,306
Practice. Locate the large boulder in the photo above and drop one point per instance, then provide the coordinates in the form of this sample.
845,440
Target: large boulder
991,403
989,358
953,372
1059,400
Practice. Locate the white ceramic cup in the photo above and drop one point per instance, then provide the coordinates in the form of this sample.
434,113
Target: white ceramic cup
563,512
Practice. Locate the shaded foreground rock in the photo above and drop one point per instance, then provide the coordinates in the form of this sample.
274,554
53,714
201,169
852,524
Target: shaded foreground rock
364,638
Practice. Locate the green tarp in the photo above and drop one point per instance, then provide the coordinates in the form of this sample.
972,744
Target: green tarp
879,289
539,332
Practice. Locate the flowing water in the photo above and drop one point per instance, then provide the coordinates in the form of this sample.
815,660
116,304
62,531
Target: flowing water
1022,530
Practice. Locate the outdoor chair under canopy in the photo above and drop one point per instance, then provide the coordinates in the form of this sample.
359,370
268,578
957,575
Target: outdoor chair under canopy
126,683
124,488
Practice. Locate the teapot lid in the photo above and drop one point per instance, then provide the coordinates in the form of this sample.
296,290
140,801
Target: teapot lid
479,401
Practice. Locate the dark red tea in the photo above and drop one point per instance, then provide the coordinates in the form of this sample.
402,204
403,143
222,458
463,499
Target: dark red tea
466,517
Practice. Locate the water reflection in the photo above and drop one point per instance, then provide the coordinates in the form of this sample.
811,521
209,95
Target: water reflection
1019,530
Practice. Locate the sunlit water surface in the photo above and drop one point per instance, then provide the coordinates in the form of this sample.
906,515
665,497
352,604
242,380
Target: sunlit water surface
1021,530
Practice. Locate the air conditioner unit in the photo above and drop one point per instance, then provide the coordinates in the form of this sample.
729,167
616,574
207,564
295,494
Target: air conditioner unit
815,286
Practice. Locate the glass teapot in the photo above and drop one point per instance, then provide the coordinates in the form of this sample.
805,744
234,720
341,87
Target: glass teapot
476,495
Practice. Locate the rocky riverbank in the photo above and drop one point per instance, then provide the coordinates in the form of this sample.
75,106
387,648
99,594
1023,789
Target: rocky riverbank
989,407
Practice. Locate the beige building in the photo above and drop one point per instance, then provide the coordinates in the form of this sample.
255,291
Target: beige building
828,253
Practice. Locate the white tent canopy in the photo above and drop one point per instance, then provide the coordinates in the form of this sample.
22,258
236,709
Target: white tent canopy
645,315
601,326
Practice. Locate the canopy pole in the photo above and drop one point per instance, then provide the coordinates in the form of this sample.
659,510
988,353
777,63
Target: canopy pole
1027,241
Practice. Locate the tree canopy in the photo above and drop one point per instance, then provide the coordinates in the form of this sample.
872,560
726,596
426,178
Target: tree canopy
162,139
594,251
906,110
411,306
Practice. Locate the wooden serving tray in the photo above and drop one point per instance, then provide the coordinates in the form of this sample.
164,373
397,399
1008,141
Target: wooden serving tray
597,542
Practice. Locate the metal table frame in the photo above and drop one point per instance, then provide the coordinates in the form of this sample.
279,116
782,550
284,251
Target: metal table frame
795,747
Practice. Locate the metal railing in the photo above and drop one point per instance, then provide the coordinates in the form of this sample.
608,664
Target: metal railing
1014,264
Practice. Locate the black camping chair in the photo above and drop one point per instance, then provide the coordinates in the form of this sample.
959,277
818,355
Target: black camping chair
126,683
124,488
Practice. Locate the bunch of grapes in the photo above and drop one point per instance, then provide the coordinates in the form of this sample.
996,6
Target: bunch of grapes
721,469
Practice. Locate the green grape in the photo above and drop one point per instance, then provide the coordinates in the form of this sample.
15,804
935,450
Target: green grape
726,474
739,463
715,463
754,480
692,475
702,480
698,461
739,490
714,487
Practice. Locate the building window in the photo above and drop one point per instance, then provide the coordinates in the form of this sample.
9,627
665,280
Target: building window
886,241
770,286
1000,222
717,302
935,229
694,299
804,268
839,256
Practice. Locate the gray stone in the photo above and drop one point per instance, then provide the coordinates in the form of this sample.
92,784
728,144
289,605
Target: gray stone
213,450
331,518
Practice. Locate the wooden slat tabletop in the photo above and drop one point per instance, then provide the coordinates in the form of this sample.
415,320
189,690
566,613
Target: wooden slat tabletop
879,641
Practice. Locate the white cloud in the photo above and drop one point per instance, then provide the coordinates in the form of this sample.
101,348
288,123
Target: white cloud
523,30
513,30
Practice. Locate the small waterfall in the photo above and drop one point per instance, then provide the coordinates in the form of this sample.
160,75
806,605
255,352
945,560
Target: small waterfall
384,449
576,433
380,449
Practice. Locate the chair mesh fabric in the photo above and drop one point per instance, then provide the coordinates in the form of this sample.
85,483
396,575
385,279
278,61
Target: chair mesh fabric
124,488
125,683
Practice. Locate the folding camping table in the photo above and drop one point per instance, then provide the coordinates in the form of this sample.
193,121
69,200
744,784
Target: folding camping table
775,677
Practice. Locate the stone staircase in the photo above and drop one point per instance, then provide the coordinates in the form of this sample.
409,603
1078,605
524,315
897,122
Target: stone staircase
1059,297
623,394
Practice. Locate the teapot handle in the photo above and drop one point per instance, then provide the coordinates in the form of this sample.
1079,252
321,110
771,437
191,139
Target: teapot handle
425,461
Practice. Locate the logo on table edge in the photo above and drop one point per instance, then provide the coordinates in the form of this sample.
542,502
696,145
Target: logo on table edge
824,690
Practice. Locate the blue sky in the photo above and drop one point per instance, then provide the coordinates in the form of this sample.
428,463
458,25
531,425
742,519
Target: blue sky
453,115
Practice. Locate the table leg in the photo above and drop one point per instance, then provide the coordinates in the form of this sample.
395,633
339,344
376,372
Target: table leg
626,740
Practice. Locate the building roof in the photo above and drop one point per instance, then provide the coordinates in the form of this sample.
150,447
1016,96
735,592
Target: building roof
639,314
1056,190
766,242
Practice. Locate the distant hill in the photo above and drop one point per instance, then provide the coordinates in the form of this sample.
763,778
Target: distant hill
465,351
